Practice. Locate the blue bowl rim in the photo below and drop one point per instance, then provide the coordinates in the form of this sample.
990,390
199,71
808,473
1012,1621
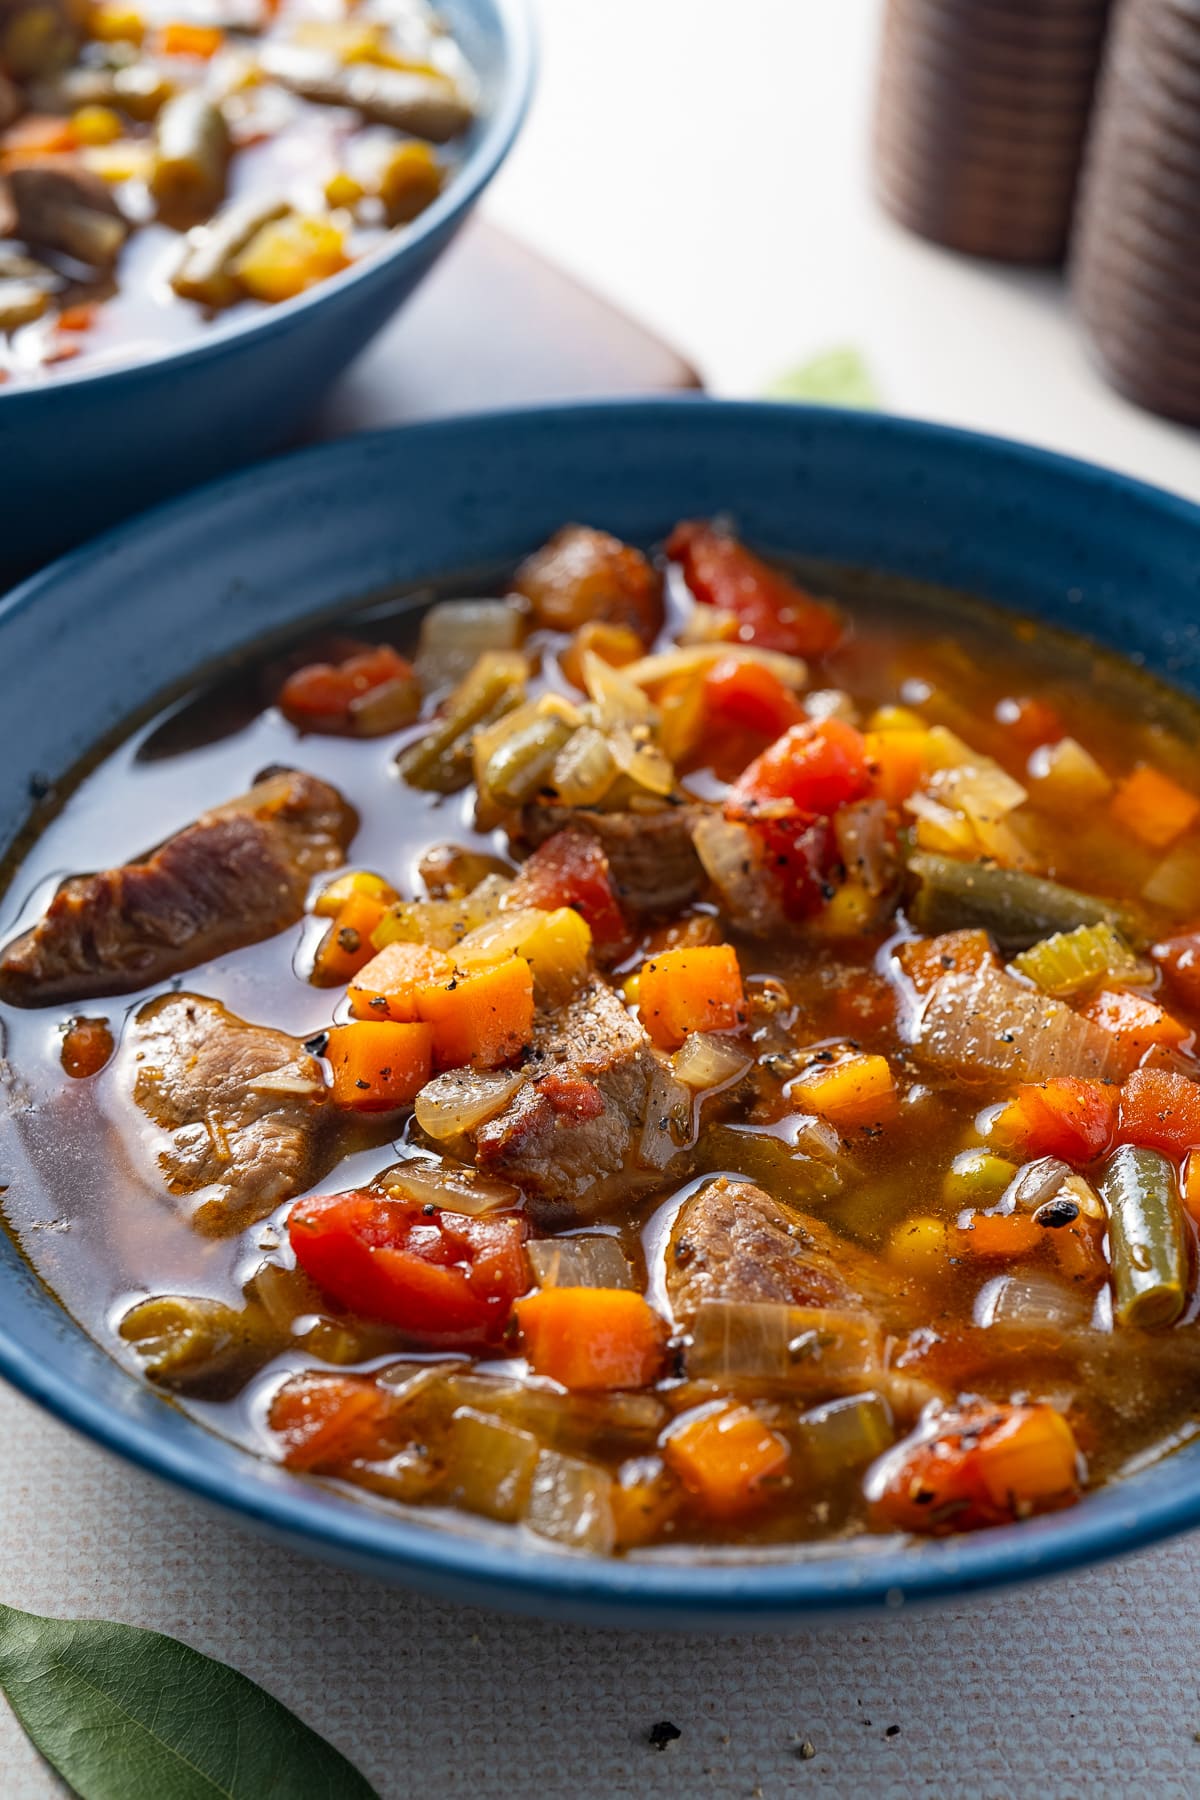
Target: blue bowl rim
746,1595
500,127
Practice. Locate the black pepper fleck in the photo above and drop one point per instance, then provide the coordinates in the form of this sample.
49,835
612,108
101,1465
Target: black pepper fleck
663,1733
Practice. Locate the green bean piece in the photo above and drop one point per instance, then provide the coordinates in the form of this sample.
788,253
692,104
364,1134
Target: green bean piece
1018,909
191,159
441,762
426,106
524,763
197,1344
1147,1233
206,271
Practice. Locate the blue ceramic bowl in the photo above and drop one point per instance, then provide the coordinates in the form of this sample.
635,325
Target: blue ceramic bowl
103,630
82,450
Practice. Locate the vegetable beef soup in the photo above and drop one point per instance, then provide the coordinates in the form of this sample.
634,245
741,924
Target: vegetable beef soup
163,165
654,1057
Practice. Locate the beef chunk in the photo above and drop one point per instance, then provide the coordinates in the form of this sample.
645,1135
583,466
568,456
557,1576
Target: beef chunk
60,205
569,1139
653,860
248,1117
582,574
240,873
733,1242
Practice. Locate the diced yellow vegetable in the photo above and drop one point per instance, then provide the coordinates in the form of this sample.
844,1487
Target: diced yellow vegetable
332,898
113,22
343,190
409,181
556,945
96,125
855,1090
290,255
129,159
896,718
918,1246
849,912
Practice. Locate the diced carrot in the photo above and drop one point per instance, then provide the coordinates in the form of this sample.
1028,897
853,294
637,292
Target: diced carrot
37,134
484,1016
724,1454
327,1420
1160,1109
926,960
86,1047
895,762
346,946
614,644
1136,1021
1066,1117
180,38
691,990
379,1066
386,987
1155,809
592,1337
854,1090
77,318
1002,1236
983,1464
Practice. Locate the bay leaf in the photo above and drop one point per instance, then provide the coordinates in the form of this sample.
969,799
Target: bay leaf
128,1714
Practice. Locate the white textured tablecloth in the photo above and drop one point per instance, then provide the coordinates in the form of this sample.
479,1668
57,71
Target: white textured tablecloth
1085,1687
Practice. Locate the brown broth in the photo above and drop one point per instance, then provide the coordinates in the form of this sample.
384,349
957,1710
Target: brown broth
81,1197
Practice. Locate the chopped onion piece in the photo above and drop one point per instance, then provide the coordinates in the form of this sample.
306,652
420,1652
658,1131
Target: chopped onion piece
863,844
452,1185
843,1435
596,1262
668,1125
454,633
732,859
697,659
704,1060
640,759
1032,1299
987,1023
571,1503
565,1421
618,700
803,1348
831,703
489,1465
498,938
441,924
1175,884
1033,1185
407,1381
584,769
461,1099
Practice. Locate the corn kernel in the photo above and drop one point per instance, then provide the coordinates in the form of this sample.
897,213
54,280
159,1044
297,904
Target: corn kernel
918,1246
96,125
290,255
342,190
410,180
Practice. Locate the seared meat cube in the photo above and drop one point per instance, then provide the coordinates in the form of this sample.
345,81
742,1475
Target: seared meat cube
732,1242
582,574
239,874
653,860
570,1138
248,1116
62,206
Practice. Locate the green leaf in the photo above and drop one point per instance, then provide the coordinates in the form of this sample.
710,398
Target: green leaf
835,378
126,1714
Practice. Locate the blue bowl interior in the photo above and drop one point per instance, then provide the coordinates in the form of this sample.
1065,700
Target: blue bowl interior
110,626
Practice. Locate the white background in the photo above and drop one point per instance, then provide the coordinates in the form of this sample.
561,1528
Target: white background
705,166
